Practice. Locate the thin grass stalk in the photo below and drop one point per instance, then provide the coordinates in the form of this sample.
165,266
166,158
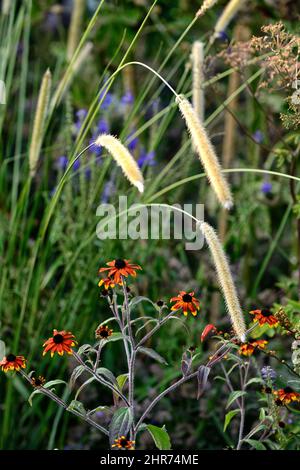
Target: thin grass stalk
206,5
225,280
231,9
198,79
75,27
39,122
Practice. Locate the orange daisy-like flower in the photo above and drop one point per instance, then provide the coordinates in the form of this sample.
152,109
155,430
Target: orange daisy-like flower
103,332
247,349
265,316
286,395
187,302
107,283
123,443
60,342
38,381
12,362
120,267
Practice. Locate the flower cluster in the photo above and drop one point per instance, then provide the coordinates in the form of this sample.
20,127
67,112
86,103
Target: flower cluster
247,349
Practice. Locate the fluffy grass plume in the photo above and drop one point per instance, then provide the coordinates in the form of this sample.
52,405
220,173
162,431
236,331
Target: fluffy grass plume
225,280
75,27
198,78
206,152
206,5
123,158
39,122
229,11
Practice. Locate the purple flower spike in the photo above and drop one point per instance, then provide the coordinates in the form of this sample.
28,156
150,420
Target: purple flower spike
133,143
109,189
127,99
103,126
95,148
223,36
266,187
107,100
146,159
62,162
81,114
88,173
258,136
76,165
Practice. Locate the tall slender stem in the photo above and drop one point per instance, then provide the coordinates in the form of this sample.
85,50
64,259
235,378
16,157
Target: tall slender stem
64,405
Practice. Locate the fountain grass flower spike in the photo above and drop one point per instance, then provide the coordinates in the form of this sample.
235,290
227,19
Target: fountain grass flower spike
225,280
123,158
206,152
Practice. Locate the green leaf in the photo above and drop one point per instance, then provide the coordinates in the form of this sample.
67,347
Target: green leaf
107,374
77,406
140,299
151,353
262,414
120,424
2,349
121,381
113,337
51,383
160,437
85,349
99,408
35,392
229,416
75,374
255,380
88,381
256,444
233,396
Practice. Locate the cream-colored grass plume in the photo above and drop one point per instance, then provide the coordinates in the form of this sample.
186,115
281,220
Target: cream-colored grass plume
229,12
123,158
39,122
225,280
75,27
206,5
198,78
206,152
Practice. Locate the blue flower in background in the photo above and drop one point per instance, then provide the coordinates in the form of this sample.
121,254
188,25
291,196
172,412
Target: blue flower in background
80,114
268,373
266,187
88,173
109,189
95,148
258,136
62,162
223,36
133,143
76,165
127,99
103,126
107,100
146,159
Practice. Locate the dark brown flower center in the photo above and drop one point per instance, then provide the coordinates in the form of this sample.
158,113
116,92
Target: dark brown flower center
58,339
38,382
266,312
123,442
120,264
11,357
288,390
187,298
103,333
160,303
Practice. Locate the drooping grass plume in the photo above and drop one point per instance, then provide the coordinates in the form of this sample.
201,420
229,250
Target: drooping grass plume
123,158
206,152
39,122
198,78
206,5
6,5
75,27
229,12
225,280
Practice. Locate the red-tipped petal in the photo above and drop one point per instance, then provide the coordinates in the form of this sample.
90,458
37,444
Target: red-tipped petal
207,330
